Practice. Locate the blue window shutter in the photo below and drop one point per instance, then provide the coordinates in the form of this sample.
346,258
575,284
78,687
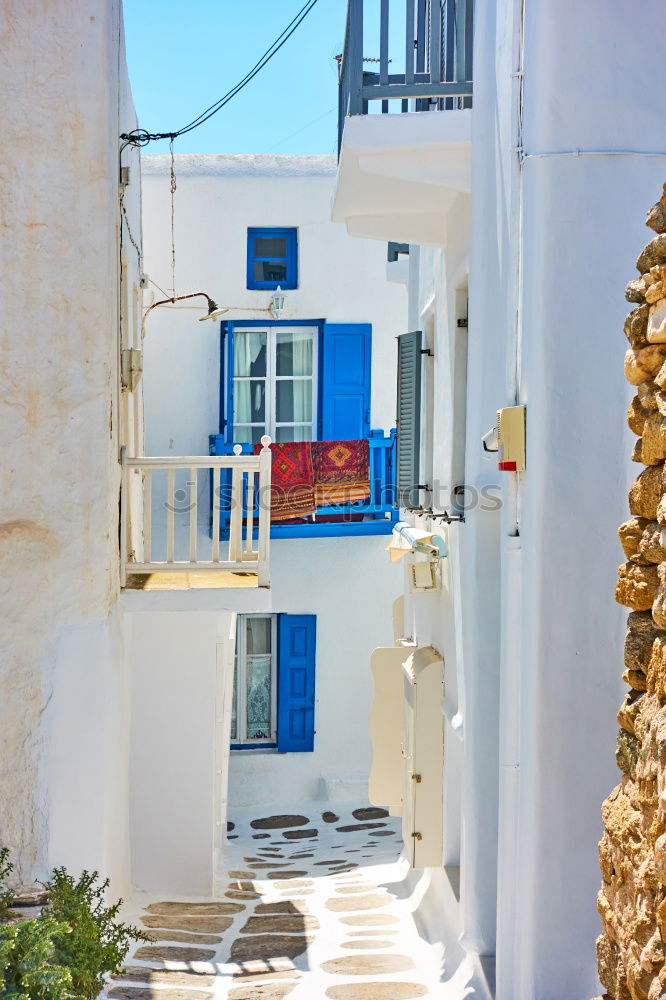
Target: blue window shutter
296,682
345,382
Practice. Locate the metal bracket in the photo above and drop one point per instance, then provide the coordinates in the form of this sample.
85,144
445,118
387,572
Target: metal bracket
417,836
131,368
426,350
416,778
462,323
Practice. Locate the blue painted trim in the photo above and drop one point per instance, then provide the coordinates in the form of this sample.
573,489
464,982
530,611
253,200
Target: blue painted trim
253,746
290,235
340,530
242,323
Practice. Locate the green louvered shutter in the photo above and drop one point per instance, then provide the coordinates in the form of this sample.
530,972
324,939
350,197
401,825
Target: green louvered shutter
409,418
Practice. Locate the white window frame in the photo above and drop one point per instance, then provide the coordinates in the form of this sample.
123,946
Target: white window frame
272,378
241,659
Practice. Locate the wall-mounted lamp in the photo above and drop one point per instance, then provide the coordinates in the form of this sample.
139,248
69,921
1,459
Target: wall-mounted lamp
277,302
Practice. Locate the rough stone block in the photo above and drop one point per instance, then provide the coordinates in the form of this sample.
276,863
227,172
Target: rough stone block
635,290
636,679
636,586
644,362
656,328
641,633
654,439
626,753
656,216
654,253
659,603
629,710
631,533
635,326
650,545
637,414
656,669
646,492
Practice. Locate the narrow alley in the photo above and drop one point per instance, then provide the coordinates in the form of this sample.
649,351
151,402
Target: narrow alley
309,906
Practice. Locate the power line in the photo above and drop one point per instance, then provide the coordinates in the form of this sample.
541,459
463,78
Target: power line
140,137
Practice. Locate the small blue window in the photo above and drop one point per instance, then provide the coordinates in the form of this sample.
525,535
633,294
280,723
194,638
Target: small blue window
272,258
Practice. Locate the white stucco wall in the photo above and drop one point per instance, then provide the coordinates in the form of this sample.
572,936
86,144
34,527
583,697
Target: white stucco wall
66,101
528,619
346,582
178,663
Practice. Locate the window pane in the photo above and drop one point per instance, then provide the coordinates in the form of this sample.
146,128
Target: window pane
294,352
249,401
293,401
303,433
258,635
258,680
270,270
270,246
250,353
248,435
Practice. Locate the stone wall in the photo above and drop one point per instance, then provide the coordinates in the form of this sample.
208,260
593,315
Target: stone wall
631,951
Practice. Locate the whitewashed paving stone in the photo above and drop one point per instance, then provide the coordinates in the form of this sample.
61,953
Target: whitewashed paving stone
370,919
280,923
261,991
184,937
367,944
194,908
377,991
278,907
367,965
167,977
205,925
340,904
156,993
173,953
266,947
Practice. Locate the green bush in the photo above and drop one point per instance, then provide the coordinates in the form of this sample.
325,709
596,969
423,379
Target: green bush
29,968
6,894
88,938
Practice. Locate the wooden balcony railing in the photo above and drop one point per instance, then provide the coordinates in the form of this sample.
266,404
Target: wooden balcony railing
246,498
435,70
374,517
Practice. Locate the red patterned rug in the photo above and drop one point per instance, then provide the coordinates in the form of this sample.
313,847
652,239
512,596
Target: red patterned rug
341,472
292,482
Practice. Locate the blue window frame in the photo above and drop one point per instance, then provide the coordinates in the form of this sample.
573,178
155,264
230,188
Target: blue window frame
272,258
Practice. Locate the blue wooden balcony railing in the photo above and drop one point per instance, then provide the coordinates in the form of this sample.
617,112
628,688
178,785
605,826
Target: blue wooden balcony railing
436,70
375,517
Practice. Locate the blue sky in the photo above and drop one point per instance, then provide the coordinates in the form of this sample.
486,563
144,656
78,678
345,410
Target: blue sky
182,56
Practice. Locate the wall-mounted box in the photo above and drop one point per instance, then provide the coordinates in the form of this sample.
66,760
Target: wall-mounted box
422,809
511,438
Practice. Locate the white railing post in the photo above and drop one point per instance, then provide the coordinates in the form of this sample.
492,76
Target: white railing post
236,516
249,551
193,515
264,541
171,500
147,513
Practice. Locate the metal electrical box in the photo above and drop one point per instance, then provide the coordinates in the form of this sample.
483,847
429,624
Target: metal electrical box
511,438
423,753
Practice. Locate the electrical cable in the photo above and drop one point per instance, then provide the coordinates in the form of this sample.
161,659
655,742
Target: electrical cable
140,137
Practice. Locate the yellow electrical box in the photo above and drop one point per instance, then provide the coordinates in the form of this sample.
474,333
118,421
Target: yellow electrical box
511,438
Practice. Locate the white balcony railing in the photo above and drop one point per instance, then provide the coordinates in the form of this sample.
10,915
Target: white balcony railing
247,549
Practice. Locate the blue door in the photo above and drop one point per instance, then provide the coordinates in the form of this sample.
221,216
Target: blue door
345,381
296,682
